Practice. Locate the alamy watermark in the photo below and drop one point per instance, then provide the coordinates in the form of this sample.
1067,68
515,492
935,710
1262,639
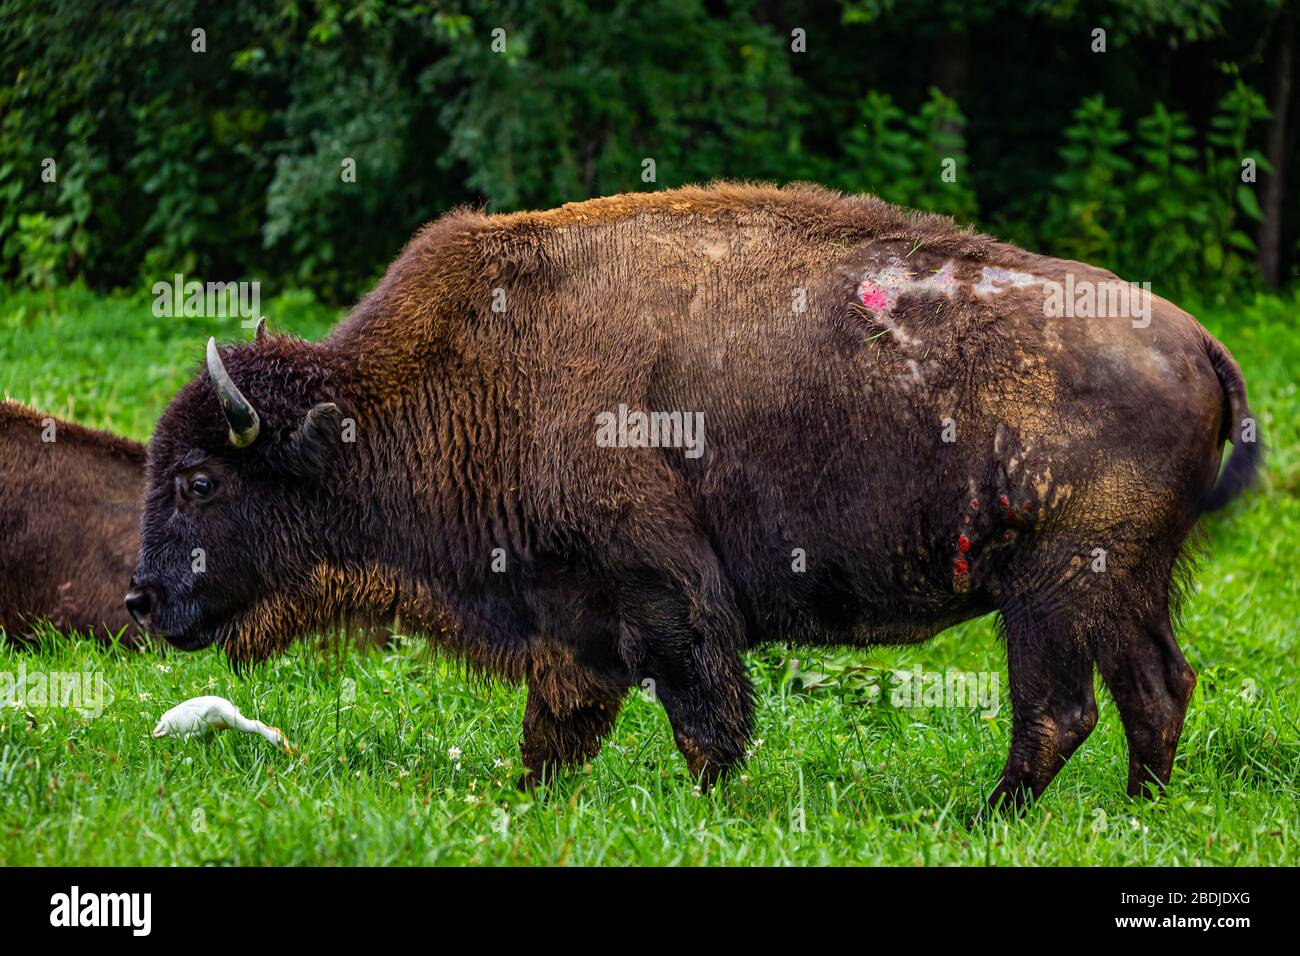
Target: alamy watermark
133,911
83,691
1098,300
968,690
194,299
635,429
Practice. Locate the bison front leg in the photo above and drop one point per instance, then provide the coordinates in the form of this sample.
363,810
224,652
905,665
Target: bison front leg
1053,707
685,651
709,702
556,736
681,635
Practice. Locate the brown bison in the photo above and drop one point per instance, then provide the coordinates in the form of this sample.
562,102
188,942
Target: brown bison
625,440
69,525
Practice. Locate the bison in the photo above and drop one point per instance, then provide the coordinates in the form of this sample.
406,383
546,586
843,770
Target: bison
69,525
625,440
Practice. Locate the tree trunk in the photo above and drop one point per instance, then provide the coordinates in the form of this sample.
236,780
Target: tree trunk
1270,228
951,65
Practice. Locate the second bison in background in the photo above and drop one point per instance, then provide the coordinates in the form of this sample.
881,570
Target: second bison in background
627,439
69,525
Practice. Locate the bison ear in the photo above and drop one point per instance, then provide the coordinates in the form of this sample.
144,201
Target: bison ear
313,443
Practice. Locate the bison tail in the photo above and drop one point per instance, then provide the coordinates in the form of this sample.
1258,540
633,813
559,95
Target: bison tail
1238,427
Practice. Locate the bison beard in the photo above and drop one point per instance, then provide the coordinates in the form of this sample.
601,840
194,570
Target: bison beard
899,438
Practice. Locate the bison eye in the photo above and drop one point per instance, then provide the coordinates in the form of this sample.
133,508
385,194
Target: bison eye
200,486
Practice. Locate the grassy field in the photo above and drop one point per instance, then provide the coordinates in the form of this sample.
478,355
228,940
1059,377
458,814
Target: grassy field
401,760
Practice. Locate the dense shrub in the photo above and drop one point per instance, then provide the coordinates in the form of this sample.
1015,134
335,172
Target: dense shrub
132,147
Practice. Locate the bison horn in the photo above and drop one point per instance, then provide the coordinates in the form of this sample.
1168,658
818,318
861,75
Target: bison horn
241,416
259,334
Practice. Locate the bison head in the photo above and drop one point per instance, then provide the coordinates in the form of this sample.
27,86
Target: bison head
243,477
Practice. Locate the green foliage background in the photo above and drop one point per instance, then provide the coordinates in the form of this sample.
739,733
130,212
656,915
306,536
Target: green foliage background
226,163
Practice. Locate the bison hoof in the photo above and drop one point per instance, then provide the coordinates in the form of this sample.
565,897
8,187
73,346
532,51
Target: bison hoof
531,779
1011,800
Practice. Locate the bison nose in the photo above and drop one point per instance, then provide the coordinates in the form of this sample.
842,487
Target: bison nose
139,602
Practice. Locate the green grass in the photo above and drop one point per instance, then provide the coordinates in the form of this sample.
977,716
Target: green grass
373,783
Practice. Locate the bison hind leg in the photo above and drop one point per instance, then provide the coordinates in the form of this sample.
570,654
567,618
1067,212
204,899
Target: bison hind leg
1053,707
1064,616
1151,684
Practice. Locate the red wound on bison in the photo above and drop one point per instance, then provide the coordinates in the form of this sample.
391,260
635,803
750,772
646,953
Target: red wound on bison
1006,502
960,581
874,297
975,504
963,543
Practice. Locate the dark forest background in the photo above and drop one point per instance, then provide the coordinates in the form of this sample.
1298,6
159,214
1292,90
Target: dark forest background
1168,157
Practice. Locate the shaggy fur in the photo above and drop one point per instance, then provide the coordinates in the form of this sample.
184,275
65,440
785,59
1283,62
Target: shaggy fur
828,508
69,516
